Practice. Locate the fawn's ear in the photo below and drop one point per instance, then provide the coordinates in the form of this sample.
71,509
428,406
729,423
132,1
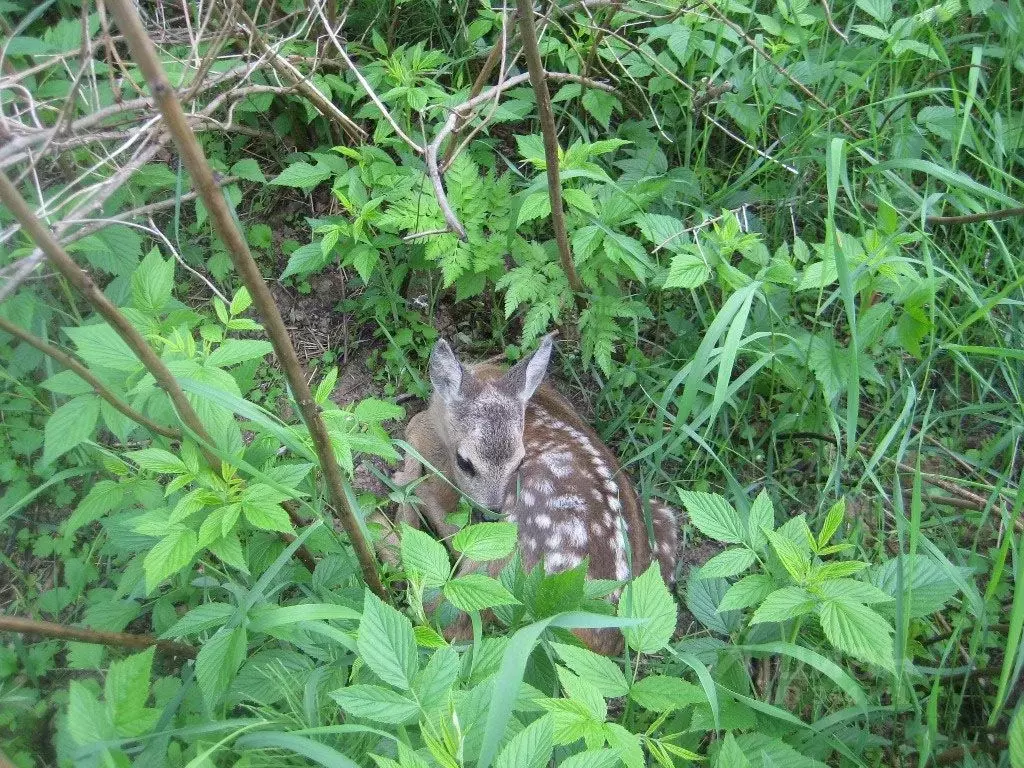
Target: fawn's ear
445,372
525,376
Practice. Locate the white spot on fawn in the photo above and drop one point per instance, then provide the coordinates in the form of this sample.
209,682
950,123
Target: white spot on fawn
542,521
569,501
559,463
621,566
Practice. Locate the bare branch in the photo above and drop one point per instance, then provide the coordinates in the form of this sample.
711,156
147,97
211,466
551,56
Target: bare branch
528,34
26,626
145,55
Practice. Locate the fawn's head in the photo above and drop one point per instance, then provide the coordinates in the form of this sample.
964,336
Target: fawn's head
480,420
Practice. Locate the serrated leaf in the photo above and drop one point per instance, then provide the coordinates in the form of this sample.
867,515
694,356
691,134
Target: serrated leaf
714,516
249,170
687,270
731,562
200,619
853,591
579,690
858,631
660,693
434,683
386,643
152,283
67,383
127,688
530,748
101,346
372,410
234,351
748,591
839,569
833,520
302,175
158,461
578,198
600,671
594,758
103,497
218,662
476,592
647,597
486,541
535,206
424,556
169,555
305,259
761,519
784,604
70,425
376,703
730,755
789,554
267,516
241,301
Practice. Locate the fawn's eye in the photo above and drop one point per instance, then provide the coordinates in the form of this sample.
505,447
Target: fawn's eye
465,465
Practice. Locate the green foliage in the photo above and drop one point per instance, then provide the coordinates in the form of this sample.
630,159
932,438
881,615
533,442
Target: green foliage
770,309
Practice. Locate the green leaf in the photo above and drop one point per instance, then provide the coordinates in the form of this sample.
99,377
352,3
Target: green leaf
535,206
373,411
326,386
486,541
218,662
600,105
87,718
100,345
476,592
879,10
647,597
249,170
305,259
127,688
234,351
302,175
687,270
69,426
789,554
199,619
761,519
714,516
576,689
578,198
376,703
267,516
600,671
853,591
424,557
152,283
594,758
531,747
731,562
102,498
434,683
660,693
67,383
857,630
928,585
833,520
158,461
1017,740
748,591
304,746
169,555
386,643
784,604
241,301
730,755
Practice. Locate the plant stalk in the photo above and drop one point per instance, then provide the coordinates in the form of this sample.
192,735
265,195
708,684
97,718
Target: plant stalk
144,53
81,635
528,34
89,378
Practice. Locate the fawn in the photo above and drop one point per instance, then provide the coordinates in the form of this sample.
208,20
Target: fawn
511,443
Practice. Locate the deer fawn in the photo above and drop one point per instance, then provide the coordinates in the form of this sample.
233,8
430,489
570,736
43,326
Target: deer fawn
511,443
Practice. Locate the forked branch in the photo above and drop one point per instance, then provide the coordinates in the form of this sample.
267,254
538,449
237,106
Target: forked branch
144,53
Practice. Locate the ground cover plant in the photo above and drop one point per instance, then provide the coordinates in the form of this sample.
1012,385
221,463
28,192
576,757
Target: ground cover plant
780,241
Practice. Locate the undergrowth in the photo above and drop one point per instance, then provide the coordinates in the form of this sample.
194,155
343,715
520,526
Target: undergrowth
797,231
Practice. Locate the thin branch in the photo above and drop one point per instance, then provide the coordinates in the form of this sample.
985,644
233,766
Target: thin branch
287,72
497,51
145,55
528,34
26,626
366,85
781,69
832,23
88,377
973,218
